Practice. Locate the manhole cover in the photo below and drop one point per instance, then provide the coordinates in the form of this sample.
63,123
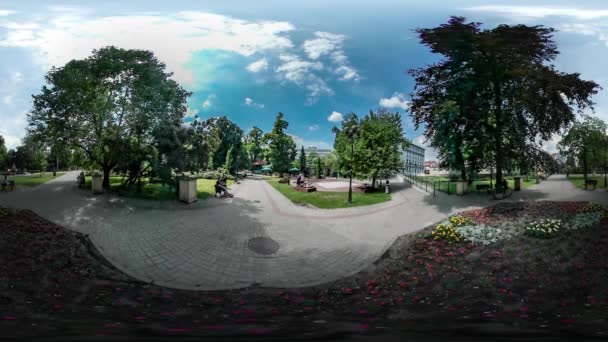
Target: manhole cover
263,245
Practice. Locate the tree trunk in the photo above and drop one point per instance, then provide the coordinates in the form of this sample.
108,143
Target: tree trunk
374,183
585,169
498,132
106,177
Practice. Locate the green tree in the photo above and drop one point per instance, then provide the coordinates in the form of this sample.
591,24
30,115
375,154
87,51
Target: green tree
253,144
303,161
505,90
377,150
330,163
279,144
583,140
318,167
3,154
230,137
107,105
229,164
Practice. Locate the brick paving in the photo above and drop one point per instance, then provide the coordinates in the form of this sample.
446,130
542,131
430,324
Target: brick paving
204,245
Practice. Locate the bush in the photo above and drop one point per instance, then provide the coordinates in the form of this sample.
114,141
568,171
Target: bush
544,229
283,180
216,175
584,220
454,175
483,235
4,212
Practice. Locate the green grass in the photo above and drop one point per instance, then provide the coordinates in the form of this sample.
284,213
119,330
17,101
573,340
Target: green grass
442,183
159,192
579,181
35,179
328,200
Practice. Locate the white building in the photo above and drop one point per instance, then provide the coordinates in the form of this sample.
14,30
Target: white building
413,159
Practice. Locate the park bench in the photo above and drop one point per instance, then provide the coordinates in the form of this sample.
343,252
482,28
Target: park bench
486,187
591,182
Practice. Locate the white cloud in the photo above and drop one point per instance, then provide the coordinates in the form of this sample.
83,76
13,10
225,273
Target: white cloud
543,11
396,101
331,44
249,102
323,44
4,13
313,127
13,129
335,117
7,99
190,113
207,103
320,144
258,65
302,73
173,38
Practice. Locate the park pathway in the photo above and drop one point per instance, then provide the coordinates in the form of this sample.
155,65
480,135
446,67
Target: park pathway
258,237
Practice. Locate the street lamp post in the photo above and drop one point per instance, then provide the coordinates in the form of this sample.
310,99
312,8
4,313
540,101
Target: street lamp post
352,133
290,151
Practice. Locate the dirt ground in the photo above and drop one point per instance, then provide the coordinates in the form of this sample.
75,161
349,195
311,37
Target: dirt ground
54,283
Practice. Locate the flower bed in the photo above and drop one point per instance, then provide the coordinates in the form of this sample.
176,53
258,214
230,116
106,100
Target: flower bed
583,220
483,234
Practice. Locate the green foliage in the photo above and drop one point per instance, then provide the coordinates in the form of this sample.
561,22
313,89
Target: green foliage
377,146
586,142
253,144
229,164
279,144
108,105
230,137
493,94
3,154
584,220
303,166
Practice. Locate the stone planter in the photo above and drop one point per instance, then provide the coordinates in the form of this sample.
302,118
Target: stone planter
517,183
461,187
187,190
96,184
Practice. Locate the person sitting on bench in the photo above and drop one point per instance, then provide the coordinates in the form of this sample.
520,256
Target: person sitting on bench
222,188
300,180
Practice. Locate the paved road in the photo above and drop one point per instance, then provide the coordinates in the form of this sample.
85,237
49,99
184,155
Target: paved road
205,245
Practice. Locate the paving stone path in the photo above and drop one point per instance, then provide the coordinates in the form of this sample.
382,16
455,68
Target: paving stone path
258,237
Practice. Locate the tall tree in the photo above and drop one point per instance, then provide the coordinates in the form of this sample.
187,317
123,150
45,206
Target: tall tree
503,85
107,103
303,163
253,143
582,139
3,154
230,137
377,149
279,145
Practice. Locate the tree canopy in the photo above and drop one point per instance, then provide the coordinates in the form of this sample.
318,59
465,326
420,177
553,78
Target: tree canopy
378,146
108,105
494,93
585,142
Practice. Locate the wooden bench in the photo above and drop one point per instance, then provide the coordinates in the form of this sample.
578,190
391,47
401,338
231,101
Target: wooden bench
590,182
486,187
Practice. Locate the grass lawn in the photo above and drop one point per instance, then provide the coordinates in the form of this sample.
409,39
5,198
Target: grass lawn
579,181
35,179
328,200
159,192
442,183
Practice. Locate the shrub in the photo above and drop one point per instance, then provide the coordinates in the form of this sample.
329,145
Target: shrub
445,231
584,220
454,175
283,180
3,212
544,229
483,235
216,175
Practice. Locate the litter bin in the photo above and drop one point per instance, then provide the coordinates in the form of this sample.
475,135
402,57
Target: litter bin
187,189
517,183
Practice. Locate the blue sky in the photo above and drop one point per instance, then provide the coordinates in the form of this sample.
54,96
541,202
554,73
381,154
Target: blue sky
312,60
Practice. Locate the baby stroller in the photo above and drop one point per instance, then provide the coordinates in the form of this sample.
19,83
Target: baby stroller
221,189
